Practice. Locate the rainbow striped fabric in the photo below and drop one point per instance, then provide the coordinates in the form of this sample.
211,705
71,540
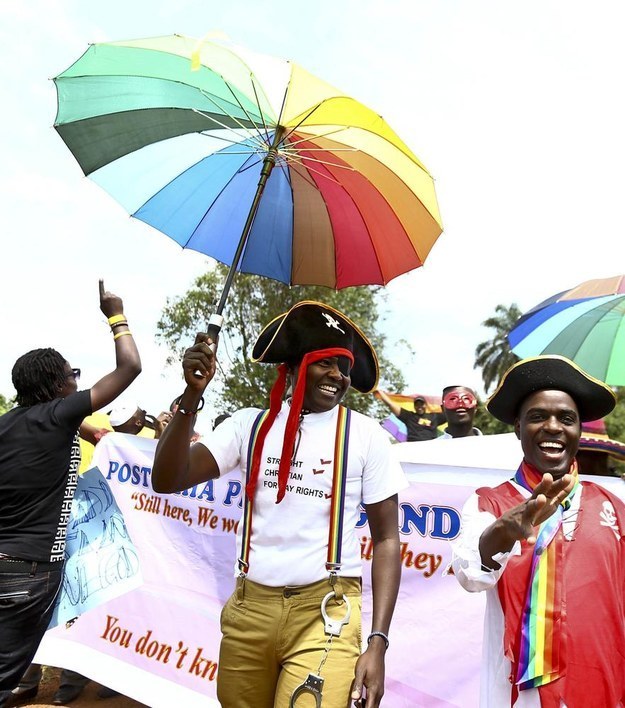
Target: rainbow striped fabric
339,483
246,534
541,654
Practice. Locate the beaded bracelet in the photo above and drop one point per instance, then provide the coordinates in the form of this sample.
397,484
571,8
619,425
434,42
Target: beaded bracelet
121,334
377,634
184,411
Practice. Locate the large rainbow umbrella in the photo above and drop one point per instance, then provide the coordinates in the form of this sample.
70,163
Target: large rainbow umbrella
189,135
585,324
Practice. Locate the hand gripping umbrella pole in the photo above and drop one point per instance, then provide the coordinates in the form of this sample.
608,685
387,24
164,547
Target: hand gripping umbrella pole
216,319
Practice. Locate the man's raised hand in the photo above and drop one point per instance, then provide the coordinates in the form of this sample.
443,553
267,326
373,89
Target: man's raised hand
198,362
109,304
548,495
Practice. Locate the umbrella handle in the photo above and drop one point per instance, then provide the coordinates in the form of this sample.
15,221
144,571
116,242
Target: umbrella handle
215,323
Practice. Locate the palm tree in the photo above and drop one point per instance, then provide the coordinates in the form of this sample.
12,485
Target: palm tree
494,356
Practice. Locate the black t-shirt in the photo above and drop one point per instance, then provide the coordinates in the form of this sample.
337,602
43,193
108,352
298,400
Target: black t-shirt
420,427
39,460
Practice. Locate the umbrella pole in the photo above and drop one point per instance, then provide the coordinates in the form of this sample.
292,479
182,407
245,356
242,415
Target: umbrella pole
216,319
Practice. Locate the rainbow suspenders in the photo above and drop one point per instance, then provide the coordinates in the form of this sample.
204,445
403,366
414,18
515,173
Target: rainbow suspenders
332,627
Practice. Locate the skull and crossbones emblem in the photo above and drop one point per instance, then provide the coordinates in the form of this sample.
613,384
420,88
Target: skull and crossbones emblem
332,322
608,518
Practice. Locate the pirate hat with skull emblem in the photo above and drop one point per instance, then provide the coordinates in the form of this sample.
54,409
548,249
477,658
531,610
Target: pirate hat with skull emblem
309,326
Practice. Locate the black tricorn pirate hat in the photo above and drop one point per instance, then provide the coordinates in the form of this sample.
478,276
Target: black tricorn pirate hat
593,398
309,326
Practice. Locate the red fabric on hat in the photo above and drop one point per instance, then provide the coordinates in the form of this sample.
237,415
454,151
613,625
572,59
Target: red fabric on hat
292,423
275,402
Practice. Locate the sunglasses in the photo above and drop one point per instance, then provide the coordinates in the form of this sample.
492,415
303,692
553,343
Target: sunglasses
75,373
452,401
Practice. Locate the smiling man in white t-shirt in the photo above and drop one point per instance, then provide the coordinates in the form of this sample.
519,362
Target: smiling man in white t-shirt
308,464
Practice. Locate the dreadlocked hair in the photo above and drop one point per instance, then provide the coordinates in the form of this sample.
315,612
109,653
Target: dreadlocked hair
37,376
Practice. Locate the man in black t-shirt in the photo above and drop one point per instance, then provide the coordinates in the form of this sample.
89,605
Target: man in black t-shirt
420,425
39,459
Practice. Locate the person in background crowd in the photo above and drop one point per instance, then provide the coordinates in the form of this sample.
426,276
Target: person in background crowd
287,562
127,419
39,459
419,424
596,450
555,611
162,420
459,408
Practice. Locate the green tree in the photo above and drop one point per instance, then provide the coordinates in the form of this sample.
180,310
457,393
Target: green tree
615,425
5,404
615,422
488,424
494,356
253,301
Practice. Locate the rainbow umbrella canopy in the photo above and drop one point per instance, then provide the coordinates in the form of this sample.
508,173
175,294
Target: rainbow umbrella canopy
585,324
248,159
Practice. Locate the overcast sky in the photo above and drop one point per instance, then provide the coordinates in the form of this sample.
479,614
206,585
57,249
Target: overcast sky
516,108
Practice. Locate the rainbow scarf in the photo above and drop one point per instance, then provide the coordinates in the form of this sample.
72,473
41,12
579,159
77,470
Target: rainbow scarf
541,657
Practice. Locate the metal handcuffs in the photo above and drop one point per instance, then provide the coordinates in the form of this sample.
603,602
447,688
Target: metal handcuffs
332,627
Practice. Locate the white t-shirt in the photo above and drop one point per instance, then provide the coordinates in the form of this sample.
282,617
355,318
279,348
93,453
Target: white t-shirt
289,542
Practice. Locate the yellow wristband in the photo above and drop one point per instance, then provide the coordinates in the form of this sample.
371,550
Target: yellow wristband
116,318
121,334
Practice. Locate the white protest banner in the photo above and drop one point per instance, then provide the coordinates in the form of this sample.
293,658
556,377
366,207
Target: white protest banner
101,560
159,643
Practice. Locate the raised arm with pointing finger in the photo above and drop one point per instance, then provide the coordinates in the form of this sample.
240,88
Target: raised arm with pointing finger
128,363
39,460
